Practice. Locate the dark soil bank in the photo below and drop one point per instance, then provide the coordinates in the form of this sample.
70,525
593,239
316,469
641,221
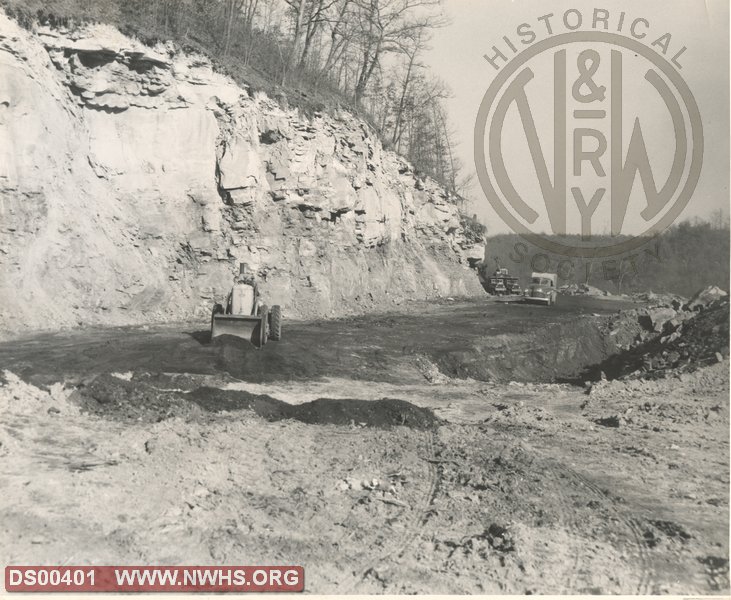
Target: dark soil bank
137,401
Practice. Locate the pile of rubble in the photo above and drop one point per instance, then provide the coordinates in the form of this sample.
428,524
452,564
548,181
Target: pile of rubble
661,299
672,336
582,289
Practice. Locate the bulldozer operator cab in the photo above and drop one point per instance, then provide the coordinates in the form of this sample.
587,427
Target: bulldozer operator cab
244,296
243,299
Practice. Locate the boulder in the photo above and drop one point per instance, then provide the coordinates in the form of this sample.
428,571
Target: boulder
660,316
240,166
705,297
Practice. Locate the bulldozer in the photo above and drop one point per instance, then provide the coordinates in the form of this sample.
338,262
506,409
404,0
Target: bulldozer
245,315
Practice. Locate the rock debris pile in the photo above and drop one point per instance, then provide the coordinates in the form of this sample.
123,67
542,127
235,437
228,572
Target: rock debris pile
673,336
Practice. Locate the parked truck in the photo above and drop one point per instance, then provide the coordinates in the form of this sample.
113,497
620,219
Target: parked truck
500,282
542,289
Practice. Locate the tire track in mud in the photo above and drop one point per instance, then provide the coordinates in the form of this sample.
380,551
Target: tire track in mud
645,582
420,515
560,480
567,514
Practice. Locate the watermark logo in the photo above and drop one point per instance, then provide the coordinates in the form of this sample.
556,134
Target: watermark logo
589,130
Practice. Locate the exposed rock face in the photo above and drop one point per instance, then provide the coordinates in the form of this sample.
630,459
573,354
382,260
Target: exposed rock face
133,181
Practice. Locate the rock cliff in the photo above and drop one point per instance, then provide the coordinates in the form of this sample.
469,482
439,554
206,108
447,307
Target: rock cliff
134,180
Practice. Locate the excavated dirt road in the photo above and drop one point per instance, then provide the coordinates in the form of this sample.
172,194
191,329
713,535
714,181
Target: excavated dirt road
428,452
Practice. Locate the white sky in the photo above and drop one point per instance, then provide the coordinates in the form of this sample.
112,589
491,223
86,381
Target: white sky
703,26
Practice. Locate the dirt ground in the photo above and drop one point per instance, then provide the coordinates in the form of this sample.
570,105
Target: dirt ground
431,452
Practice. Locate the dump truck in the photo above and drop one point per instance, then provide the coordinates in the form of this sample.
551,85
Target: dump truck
245,315
500,283
542,289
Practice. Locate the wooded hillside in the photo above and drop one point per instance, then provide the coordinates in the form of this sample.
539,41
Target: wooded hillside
684,259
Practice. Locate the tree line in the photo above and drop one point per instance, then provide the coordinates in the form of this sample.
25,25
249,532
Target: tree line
688,256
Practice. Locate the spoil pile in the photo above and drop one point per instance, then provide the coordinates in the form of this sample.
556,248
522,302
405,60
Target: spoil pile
582,289
139,400
674,337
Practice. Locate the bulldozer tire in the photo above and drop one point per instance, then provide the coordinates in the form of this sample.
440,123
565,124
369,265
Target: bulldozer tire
217,310
263,329
275,323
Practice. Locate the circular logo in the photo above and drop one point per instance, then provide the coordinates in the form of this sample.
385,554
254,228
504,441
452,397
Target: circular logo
588,144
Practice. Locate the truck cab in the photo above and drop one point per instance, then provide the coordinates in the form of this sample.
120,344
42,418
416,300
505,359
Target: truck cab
542,289
496,285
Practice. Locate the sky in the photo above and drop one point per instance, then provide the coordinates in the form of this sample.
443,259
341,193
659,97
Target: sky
456,56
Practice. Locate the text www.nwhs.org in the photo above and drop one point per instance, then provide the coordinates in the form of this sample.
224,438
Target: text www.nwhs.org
155,579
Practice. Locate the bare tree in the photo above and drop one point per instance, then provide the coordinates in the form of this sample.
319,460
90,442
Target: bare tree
448,165
308,17
383,26
232,11
340,36
422,138
414,45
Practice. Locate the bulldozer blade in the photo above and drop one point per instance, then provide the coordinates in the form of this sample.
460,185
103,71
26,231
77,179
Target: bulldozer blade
250,328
